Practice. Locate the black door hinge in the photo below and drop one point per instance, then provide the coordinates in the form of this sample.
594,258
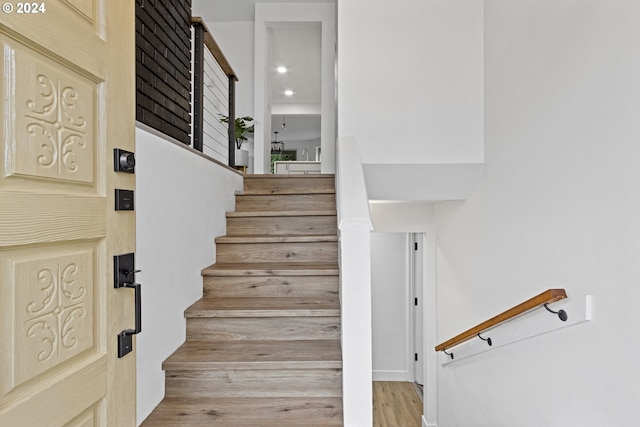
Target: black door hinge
415,356
415,246
415,301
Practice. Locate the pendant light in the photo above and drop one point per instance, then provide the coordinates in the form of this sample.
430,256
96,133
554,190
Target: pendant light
277,147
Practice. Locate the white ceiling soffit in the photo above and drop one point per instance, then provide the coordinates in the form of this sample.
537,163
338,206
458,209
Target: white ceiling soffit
234,10
421,182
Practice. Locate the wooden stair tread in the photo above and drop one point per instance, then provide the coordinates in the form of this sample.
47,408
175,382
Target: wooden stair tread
283,176
264,307
247,412
281,192
277,239
250,214
295,354
272,269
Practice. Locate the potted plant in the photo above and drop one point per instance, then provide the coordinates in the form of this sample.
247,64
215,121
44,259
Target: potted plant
243,127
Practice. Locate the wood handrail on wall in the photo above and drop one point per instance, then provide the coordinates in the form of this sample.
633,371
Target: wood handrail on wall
547,297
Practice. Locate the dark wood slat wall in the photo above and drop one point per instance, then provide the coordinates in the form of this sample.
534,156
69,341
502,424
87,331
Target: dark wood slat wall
163,66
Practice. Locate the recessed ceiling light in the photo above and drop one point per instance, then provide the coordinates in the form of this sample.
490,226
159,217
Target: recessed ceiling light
282,69
288,92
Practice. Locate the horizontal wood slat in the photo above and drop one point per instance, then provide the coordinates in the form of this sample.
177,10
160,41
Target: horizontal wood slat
546,297
53,218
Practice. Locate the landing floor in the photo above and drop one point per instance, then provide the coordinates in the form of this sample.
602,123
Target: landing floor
396,404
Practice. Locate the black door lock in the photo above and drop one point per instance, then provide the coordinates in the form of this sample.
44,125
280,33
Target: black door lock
123,161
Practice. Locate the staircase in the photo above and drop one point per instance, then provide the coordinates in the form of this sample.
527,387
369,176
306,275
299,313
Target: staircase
263,344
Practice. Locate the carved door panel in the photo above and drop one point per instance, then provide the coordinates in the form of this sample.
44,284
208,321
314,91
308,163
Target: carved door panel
67,100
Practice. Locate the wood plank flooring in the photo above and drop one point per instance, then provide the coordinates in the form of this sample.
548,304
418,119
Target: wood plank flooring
263,344
396,404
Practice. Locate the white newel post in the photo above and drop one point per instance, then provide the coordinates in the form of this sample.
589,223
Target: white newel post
356,323
355,285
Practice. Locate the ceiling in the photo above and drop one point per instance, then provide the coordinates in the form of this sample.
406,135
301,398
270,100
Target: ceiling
234,10
296,46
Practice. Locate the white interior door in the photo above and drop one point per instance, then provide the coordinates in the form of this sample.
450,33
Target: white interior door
67,99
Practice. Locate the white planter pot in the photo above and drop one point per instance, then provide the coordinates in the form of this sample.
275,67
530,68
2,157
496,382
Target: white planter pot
242,157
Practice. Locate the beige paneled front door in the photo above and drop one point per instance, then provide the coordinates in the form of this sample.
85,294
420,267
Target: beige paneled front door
67,99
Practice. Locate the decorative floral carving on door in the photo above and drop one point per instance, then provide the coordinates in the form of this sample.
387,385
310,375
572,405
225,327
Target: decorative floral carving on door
53,311
52,134
62,304
54,117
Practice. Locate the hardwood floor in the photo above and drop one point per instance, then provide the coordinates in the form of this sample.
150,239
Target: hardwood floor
396,404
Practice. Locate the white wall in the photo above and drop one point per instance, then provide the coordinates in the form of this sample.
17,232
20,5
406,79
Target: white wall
181,200
410,82
557,206
390,299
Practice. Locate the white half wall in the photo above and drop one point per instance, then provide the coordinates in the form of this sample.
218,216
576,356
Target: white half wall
410,80
181,200
390,307
557,206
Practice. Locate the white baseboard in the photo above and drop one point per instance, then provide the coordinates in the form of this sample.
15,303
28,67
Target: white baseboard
391,376
424,423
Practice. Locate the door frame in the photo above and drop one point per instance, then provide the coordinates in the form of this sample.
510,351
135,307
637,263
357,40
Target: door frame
416,313
267,14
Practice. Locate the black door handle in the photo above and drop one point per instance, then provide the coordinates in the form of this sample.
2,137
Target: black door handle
125,338
138,297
